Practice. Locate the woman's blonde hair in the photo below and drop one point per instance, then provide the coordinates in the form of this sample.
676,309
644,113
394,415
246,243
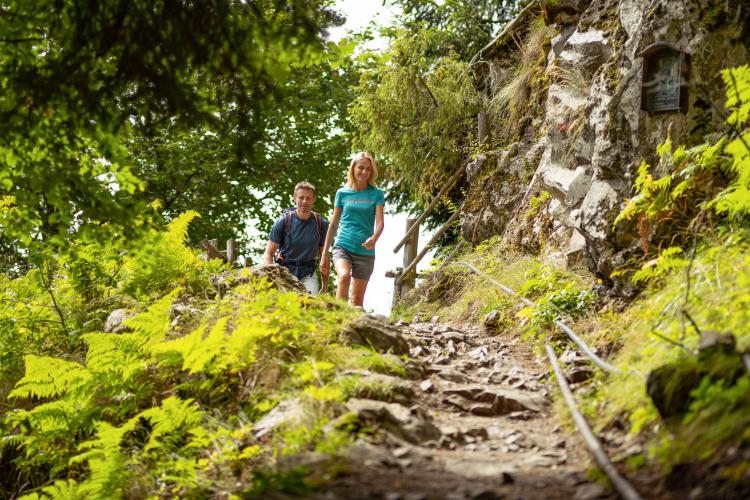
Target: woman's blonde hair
373,174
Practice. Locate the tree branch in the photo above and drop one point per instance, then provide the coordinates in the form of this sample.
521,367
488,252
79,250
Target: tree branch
48,286
21,40
424,84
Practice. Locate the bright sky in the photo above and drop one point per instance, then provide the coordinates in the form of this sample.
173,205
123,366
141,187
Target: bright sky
359,13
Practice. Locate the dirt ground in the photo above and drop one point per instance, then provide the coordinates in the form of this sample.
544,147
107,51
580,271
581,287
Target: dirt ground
499,434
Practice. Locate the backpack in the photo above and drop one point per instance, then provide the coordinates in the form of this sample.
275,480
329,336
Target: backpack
287,214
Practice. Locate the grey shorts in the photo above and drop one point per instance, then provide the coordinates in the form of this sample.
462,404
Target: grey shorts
362,265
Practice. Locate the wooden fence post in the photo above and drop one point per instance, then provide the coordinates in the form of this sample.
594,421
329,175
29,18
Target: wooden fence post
410,253
231,251
483,127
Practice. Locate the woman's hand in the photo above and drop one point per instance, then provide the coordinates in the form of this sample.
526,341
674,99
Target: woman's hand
370,242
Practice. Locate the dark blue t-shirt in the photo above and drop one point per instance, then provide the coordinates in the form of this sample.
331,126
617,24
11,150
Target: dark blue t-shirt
304,239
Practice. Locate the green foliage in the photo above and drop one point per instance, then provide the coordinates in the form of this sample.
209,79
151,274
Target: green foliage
710,178
468,24
719,300
557,294
415,113
568,303
158,410
658,268
212,168
719,413
512,97
536,204
83,85
161,262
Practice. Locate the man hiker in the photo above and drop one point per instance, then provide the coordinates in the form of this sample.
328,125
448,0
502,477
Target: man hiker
298,237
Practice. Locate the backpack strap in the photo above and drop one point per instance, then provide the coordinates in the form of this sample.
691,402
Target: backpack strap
319,225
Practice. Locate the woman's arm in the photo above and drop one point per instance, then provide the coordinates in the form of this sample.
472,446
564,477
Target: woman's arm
379,224
333,226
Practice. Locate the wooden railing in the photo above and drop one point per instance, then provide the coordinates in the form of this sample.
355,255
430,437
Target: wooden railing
405,277
213,252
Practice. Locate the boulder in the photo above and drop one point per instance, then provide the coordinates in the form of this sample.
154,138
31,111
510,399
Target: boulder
499,401
568,186
116,319
287,412
480,469
412,425
376,332
585,52
670,386
493,322
475,167
278,276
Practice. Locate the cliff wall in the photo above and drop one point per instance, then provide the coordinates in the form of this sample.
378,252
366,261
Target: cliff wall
565,126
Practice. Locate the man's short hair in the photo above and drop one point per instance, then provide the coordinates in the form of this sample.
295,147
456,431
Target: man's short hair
305,185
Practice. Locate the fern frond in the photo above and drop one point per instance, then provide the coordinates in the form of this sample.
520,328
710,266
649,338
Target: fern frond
152,324
172,422
737,81
666,262
177,229
108,465
48,377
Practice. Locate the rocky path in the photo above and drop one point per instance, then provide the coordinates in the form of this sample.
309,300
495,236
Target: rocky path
478,425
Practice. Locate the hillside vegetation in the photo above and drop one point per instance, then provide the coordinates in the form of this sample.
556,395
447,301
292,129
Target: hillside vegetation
682,395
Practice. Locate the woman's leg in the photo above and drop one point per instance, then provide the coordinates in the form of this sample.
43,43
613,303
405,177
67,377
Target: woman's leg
358,291
343,274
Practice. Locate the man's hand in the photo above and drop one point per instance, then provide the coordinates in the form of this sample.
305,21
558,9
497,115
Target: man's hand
325,266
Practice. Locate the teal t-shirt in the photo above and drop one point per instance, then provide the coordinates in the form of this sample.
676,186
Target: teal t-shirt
357,217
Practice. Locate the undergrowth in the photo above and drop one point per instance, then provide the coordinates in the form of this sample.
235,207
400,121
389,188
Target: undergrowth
170,406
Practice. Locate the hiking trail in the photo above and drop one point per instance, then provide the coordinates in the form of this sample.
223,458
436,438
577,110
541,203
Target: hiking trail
477,424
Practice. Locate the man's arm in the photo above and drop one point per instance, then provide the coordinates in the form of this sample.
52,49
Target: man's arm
271,248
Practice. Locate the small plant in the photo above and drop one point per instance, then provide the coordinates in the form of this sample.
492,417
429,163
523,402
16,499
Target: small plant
536,203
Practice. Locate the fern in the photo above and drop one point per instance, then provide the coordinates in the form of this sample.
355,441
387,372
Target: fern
172,422
60,490
658,268
151,325
48,377
108,465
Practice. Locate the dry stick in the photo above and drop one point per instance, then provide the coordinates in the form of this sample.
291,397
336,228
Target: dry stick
746,359
673,342
565,328
620,483
687,293
415,227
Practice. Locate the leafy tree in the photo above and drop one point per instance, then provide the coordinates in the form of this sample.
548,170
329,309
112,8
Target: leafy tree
417,113
470,24
301,134
78,79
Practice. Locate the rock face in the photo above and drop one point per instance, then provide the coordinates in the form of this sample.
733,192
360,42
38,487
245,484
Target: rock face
585,143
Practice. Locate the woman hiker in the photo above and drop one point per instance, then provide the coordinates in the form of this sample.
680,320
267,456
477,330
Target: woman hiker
358,210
